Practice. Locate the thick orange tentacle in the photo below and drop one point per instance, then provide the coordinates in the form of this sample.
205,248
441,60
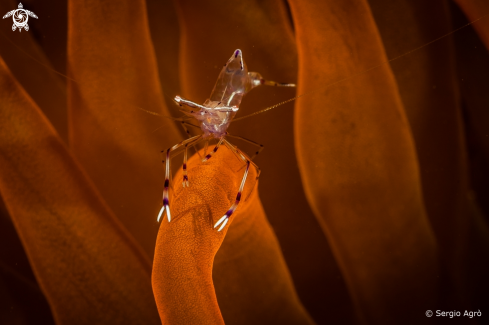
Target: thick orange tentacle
358,162
88,266
110,55
249,266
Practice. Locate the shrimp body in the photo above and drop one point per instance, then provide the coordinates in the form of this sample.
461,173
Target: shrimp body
214,119
214,116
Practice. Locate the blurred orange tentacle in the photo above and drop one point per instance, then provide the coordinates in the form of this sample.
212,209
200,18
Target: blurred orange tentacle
88,266
475,9
358,162
111,57
428,87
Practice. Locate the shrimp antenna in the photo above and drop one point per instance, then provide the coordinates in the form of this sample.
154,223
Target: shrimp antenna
157,114
359,73
34,59
75,81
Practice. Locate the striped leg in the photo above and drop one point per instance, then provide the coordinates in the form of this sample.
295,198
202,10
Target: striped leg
241,155
166,203
189,124
209,156
260,146
185,174
183,123
206,146
224,220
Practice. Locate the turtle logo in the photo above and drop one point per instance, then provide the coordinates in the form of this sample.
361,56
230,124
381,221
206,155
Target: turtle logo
20,16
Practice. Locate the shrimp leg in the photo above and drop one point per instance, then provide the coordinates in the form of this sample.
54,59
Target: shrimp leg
225,218
223,221
241,155
183,123
209,155
260,146
169,152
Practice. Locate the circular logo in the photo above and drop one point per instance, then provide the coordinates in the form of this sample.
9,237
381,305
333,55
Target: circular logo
20,17
429,313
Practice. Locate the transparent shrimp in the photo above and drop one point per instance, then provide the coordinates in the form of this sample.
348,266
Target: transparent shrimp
214,116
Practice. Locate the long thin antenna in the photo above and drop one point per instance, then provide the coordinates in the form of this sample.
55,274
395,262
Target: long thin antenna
359,73
157,114
34,59
276,105
62,74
